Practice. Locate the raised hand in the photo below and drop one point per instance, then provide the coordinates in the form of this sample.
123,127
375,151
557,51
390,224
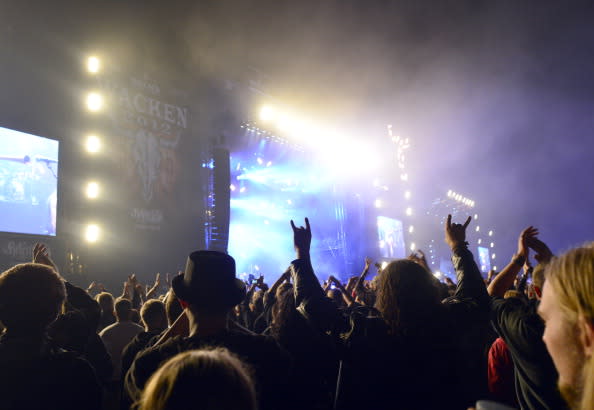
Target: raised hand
367,262
543,253
455,234
41,255
302,239
419,257
523,240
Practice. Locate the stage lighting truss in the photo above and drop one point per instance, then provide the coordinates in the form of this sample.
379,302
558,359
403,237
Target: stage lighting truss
253,129
461,199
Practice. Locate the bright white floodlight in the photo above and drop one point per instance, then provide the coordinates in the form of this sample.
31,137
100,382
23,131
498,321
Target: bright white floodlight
92,233
94,101
93,144
93,65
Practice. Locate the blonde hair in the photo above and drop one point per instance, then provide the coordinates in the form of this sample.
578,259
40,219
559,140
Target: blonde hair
572,277
206,379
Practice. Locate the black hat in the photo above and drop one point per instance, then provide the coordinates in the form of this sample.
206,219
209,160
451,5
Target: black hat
209,281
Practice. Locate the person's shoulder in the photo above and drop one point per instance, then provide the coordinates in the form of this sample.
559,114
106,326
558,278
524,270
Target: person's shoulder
134,326
109,330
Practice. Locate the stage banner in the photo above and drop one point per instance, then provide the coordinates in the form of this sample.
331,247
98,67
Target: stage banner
149,121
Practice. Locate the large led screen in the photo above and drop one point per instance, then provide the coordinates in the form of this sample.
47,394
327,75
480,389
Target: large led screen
391,237
28,183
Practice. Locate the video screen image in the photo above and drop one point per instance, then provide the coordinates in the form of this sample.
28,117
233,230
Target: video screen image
391,237
484,259
28,183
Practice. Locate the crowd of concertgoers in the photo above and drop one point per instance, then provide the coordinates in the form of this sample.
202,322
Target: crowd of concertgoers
522,338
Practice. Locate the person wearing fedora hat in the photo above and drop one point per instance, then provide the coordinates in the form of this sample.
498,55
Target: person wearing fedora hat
210,290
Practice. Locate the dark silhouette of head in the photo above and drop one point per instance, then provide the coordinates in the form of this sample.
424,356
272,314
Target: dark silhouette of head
123,310
407,295
153,315
31,297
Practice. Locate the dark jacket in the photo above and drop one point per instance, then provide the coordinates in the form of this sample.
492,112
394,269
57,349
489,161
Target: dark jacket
522,329
441,364
39,375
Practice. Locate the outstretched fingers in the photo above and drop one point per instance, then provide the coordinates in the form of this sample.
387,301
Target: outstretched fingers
467,222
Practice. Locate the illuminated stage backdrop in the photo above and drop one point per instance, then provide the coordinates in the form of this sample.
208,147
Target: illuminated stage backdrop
272,183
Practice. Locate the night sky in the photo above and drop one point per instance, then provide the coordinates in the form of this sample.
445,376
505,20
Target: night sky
496,97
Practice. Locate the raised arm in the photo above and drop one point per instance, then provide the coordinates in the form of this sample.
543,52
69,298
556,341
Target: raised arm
361,279
282,279
348,299
310,299
470,282
505,279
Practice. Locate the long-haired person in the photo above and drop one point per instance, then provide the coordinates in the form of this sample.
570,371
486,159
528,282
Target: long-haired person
414,351
567,307
201,380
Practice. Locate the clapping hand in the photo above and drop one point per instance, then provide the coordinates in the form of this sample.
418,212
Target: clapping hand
41,255
543,253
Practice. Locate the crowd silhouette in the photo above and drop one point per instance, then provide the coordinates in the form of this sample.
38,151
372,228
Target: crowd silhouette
521,338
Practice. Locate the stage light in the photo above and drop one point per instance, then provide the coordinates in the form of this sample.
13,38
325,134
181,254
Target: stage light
475,216
93,144
260,162
492,245
242,189
257,267
94,101
437,274
493,256
267,113
409,211
495,268
450,193
478,228
232,187
92,190
413,246
269,163
92,233
384,264
93,65
411,229
490,233
479,241
378,203
407,195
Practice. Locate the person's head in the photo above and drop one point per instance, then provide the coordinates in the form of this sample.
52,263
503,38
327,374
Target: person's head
31,297
209,379
153,315
336,296
512,293
567,307
538,278
208,284
123,310
406,295
105,300
257,301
